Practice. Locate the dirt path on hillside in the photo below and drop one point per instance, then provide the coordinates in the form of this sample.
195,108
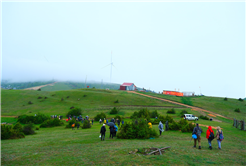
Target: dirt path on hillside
41,86
9,116
188,106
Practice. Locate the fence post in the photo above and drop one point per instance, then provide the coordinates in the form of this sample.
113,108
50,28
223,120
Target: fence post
243,127
234,123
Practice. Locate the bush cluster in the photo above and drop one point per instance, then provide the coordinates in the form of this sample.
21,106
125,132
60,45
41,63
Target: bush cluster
86,124
74,112
225,99
114,111
28,129
11,132
100,116
171,111
51,123
204,117
38,119
134,130
237,110
162,119
143,113
182,125
240,99
154,114
117,101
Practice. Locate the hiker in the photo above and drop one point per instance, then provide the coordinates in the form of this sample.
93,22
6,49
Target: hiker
210,136
118,121
219,136
73,125
197,130
92,121
122,122
150,125
104,121
107,121
77,126
167,127
160,127
102,132
100,121
111,128
115,130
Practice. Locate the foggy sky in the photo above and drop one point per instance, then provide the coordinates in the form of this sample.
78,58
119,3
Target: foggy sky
158,46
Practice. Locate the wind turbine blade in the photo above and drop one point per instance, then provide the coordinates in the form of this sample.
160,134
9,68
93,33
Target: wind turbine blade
115,67
106,66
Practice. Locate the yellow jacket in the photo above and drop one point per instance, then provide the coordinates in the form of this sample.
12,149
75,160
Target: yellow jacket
104,121
150,125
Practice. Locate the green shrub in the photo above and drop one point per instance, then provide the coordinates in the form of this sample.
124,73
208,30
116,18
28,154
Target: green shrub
117,101
86,124
174,126
11,132
171,111
72,122
52,123
100,116
114,111
154,114
204,117
240,99
237,110
134,130
38,119
29,102
28,129
74,112
142,113
225,99
37,128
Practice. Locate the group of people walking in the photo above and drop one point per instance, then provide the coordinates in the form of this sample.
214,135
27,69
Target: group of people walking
196,134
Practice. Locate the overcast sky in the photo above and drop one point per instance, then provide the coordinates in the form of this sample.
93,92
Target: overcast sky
159,45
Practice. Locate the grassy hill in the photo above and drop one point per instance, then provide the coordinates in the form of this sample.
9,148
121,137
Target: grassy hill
15,102
60,146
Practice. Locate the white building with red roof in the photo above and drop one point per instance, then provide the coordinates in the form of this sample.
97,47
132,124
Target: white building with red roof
127,86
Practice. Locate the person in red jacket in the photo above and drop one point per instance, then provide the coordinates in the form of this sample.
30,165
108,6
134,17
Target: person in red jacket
210,136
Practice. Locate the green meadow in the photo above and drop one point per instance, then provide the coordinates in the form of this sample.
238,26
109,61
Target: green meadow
61,146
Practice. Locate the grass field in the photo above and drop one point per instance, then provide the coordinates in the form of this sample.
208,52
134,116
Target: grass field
60,146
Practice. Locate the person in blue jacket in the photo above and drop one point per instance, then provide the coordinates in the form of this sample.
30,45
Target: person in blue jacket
115,130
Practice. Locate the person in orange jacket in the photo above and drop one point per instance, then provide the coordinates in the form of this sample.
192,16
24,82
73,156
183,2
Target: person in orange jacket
210,136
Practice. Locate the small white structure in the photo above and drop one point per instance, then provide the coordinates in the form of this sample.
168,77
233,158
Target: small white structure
188,93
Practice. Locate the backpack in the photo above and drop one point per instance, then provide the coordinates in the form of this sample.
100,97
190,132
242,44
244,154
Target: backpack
211,136
198,132
73,125
221,137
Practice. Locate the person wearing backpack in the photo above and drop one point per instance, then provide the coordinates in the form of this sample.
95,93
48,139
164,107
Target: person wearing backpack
197,130
111,129
219,136
210,136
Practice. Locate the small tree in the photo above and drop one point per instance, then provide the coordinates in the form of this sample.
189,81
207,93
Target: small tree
171,111
114,111
86,124
74,112
225,99
28,129
154,114
237,110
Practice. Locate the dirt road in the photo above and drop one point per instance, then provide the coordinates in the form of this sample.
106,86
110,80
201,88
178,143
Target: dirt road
41,86
188,106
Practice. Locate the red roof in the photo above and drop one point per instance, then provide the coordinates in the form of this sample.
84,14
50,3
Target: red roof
126,84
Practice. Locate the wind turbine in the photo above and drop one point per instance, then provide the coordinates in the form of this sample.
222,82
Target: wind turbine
111,64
